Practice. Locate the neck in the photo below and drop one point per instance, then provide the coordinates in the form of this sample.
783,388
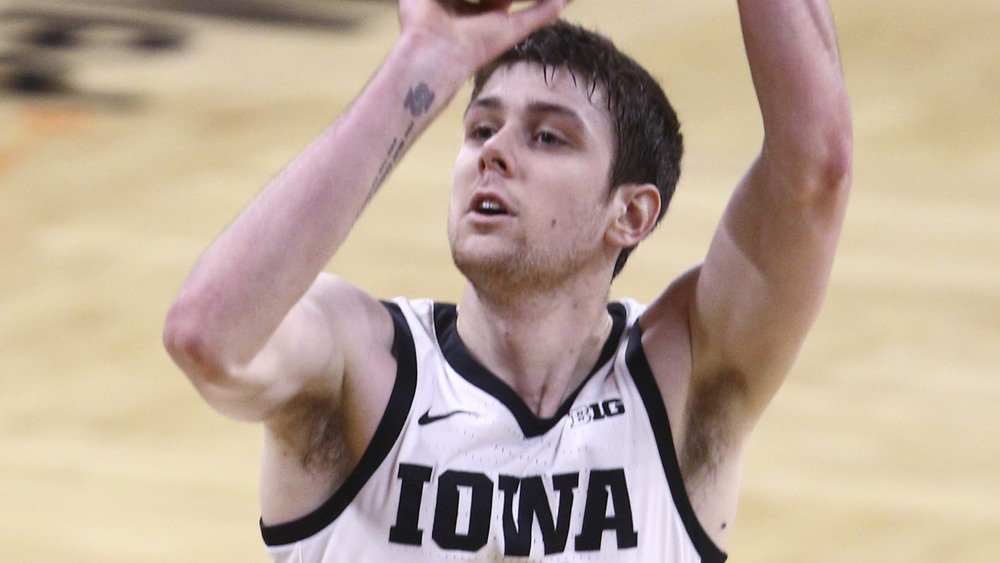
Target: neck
542,345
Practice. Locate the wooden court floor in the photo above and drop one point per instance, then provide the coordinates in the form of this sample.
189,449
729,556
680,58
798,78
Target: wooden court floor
120,160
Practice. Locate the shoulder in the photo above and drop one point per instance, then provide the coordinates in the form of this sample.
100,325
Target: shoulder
312,443
666,340
703,414
359,324
703,403
366,333
345,304
358,332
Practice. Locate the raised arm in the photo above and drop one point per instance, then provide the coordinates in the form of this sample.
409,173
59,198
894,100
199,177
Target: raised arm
746,309
765,275
256,323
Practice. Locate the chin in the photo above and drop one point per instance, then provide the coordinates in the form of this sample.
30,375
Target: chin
507,273
482,265
474,265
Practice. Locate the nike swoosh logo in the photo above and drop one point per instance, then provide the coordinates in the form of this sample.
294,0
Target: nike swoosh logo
428,418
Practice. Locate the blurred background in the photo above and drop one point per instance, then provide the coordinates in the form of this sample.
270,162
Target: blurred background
133,131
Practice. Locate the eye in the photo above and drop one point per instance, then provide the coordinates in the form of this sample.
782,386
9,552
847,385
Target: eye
479,132
545,137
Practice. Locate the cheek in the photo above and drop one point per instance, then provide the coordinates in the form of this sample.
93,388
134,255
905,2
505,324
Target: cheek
581,212
571,217
465,165
463,174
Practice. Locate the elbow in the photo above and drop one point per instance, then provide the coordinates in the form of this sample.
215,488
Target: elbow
831,176
818,171
189,343
198,350
833,162
839,160
810,157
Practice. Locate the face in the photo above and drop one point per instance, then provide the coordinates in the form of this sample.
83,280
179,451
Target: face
530,189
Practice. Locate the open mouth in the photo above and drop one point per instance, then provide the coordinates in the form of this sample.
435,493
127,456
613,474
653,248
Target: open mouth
487,205
491,207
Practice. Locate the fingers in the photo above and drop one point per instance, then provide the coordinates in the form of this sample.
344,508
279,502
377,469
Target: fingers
542,11
473,7
496,4
478,30
547,9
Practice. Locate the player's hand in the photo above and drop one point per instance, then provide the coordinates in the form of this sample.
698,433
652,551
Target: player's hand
471,33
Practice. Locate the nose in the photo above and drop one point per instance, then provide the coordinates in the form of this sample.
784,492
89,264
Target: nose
496,154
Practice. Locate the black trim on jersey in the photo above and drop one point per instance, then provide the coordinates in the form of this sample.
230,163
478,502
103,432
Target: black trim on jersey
642,374
388,431
458,356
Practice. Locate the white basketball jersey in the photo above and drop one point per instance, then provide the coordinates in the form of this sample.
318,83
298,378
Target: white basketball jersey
460,469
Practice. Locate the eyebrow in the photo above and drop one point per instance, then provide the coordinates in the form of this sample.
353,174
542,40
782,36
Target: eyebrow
534,107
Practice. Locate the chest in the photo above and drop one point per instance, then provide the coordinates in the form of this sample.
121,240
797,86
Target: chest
472,474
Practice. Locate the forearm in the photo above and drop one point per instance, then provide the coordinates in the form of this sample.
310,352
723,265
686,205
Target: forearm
253,276
247,280
792,50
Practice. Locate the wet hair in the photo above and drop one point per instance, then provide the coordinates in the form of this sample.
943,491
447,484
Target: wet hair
648,141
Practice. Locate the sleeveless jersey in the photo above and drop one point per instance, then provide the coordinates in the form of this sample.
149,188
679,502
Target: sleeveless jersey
459,468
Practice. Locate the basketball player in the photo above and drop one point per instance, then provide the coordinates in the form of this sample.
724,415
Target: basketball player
534,420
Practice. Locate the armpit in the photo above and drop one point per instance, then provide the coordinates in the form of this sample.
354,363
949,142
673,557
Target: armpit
313,432
711,432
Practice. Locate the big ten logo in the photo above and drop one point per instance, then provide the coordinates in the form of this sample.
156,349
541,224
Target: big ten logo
43,50
596,411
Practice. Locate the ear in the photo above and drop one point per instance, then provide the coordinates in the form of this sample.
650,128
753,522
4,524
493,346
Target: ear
635,208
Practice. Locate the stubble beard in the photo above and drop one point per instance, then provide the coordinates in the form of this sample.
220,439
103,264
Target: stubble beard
517,270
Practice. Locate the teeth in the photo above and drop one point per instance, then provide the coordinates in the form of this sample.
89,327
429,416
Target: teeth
490,206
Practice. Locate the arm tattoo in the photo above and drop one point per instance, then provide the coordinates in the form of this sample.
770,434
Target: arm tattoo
418,101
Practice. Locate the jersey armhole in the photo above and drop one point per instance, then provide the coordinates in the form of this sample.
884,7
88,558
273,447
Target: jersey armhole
642,374
386,434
